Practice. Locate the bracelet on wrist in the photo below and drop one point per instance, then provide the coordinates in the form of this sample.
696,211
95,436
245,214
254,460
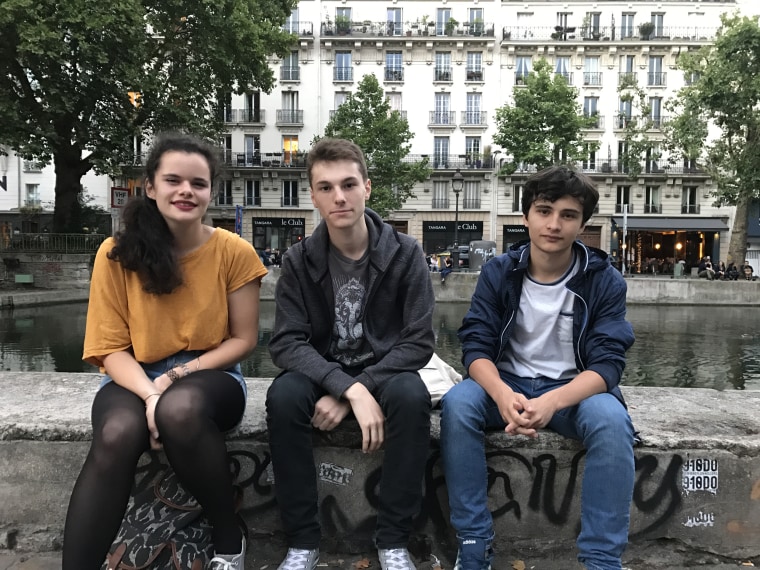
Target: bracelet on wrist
198,366
172,374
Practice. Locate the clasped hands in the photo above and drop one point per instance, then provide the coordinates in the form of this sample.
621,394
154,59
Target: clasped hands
525,416
329,412
161,383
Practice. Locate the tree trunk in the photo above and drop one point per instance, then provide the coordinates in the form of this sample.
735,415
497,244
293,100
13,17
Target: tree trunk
69,169
737,247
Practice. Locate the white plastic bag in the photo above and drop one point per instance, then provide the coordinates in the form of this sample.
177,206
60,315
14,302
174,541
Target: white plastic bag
439,376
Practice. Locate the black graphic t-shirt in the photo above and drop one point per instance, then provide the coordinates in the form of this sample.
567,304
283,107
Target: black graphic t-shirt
348,345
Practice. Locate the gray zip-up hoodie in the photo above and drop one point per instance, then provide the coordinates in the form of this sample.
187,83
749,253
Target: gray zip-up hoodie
398,315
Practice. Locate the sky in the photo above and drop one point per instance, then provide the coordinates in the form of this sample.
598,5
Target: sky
749,7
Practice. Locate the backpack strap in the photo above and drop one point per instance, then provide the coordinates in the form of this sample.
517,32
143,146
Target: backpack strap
115,559
170,482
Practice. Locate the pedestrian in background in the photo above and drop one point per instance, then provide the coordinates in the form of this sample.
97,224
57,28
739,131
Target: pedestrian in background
448,267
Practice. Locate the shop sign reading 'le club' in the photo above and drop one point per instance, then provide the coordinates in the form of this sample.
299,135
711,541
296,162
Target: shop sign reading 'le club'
279,222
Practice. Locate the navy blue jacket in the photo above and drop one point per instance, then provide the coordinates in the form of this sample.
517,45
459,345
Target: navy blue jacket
601,335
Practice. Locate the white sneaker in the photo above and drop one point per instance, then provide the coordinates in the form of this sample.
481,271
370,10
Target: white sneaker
300,559
395,559
229,561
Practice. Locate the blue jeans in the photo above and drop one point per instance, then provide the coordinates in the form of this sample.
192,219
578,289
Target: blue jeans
601,422
154,369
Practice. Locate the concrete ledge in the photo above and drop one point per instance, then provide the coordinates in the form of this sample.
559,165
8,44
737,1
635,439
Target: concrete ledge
698,472
459,287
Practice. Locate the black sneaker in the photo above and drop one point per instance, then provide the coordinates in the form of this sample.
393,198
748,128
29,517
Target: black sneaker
474,554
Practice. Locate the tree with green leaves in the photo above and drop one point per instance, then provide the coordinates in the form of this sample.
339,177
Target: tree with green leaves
725,92
545,124
383,135
81,79
636,120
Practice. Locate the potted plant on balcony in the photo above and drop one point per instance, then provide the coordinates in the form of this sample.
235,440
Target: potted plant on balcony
586,27
451,25
342,25
487,156
476,28
645,30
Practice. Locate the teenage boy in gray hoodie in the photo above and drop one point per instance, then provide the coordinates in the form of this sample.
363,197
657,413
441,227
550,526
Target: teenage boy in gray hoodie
353,324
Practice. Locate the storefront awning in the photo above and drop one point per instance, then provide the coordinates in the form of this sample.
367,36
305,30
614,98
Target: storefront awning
660,224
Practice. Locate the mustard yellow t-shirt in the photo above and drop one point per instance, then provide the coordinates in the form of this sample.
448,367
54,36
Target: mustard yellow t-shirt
122,316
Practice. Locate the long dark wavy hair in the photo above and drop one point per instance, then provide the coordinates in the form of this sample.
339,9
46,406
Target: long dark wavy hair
145,243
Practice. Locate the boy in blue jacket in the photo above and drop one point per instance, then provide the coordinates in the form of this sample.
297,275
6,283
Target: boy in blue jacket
544,345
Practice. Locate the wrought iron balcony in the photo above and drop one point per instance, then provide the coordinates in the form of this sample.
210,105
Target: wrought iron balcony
475,75
592,78
290,117
581,34
301,28
474,118
290,73
656,79
394,73
598,120
343,73
256,116
627,77
442,118
410,28
442,74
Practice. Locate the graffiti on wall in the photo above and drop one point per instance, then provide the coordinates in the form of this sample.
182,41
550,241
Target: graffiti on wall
543,486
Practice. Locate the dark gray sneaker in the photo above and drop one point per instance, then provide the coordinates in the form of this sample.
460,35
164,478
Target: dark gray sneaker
474,554
395,559
300,559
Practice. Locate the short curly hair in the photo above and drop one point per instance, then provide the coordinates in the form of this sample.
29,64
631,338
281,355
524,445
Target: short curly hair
557,182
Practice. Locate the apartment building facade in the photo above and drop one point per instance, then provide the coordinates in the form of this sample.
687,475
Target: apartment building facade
447,65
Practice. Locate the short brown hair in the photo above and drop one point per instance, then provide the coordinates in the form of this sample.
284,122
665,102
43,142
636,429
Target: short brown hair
557,182
330,150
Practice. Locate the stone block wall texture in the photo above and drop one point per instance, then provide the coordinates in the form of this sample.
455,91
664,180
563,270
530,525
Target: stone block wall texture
697,472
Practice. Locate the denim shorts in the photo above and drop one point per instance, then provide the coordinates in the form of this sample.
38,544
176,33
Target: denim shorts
155,369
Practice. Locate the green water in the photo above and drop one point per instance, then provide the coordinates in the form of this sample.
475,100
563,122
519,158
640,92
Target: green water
706,347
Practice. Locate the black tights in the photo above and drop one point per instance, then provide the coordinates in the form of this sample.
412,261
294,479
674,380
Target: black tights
191,416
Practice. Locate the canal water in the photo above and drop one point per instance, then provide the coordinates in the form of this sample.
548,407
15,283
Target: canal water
705,347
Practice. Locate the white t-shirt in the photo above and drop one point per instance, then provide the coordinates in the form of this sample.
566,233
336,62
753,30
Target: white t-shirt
542,339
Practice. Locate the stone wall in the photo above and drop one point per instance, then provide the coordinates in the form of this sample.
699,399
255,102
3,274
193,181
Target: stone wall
697,472
60,271
51,270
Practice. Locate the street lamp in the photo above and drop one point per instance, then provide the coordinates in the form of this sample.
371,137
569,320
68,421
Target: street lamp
457,183
495,194
3,168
